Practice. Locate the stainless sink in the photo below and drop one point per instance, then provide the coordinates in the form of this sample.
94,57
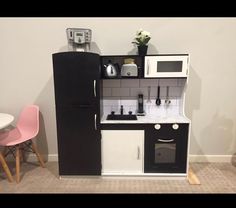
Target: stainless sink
121,117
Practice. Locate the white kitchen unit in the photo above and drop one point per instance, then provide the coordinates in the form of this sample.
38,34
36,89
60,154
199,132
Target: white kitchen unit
156,143
122,152
166,66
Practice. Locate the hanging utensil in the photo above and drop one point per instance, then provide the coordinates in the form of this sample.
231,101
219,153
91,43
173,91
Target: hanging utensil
158,100
149,92
167,101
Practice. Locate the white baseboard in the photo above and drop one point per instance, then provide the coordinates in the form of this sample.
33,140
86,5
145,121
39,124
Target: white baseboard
192,158
212,158
32,158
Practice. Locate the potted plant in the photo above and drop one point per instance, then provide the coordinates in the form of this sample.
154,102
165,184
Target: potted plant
141,40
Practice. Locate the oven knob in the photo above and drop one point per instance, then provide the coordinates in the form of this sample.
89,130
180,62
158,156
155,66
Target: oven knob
175,126
157,126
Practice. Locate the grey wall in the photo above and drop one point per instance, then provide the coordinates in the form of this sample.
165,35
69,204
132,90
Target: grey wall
26,46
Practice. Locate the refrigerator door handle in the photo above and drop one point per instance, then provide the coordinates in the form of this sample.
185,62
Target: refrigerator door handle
94,88
95,121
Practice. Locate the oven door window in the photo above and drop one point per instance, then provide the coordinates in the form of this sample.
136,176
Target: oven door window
165,153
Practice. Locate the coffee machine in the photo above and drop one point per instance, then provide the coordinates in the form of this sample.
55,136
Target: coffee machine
79,39
140,111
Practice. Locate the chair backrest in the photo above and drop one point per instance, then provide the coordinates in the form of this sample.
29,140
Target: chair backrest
29,120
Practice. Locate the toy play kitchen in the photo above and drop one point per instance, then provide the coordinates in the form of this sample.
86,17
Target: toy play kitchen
112,123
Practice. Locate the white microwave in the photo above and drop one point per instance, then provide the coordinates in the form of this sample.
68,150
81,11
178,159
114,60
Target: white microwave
166,65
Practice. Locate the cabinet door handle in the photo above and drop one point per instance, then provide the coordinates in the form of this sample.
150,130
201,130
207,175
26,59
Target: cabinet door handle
95,121
94,88
148,67
165,140
138,155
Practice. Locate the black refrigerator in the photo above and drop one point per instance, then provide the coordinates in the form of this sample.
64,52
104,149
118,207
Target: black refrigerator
77,101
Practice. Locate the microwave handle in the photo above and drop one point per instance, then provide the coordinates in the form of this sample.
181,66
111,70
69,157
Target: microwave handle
148,65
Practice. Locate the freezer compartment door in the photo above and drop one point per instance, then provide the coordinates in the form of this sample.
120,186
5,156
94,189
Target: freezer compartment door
79,141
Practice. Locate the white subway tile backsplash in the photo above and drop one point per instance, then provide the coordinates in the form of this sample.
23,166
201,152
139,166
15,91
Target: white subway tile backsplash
130,83
111,83
106,110
133,108
153,92
111,102
106,92
175,91
117,92
168,82
128,102
179,102
163,92
181,82
148,82
115,108
125,92
135,91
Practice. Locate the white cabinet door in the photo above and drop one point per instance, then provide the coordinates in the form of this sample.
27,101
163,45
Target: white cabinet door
122,151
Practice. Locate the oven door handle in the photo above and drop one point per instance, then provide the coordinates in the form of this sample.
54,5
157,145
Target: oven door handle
138,153
165,140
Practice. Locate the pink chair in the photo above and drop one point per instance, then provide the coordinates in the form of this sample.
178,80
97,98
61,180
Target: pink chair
20,138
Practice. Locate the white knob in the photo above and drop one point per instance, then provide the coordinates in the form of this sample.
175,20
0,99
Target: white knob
157,126
175,126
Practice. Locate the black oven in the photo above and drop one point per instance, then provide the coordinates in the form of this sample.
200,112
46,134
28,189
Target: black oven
165,148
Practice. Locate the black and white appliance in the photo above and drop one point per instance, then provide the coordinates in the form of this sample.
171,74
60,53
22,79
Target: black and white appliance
79,39
165,148
77,99
175,65
129,68
140,111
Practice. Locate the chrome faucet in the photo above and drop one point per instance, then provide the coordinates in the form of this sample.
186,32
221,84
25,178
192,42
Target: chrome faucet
121,110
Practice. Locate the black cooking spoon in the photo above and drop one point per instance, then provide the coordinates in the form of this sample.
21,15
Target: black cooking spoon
158,100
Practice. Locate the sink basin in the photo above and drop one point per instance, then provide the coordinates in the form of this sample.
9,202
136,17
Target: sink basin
121,117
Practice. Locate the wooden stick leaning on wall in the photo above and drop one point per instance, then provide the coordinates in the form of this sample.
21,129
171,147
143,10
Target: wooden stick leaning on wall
192,178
